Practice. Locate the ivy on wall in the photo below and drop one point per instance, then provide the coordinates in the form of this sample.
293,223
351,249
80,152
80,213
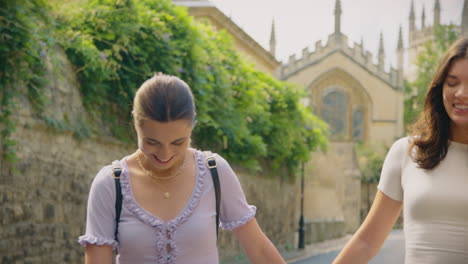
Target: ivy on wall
22,48
242,113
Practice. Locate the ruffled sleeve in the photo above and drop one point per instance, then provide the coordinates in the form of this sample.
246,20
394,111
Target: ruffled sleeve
100,219
390,178
235,211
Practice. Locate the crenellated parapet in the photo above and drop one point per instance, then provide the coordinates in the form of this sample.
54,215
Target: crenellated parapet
338,42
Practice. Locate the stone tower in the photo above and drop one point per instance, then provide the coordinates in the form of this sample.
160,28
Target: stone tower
337,17
464,25
412,21
273,39
437,13
400,52
423,18
381,55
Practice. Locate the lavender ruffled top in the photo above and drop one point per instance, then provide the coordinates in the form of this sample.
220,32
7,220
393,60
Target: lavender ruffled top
145,238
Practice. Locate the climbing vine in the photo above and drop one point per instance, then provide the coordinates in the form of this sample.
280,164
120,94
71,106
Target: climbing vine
21,69
115,45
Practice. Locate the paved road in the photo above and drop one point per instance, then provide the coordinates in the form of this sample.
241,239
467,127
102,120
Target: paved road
393,251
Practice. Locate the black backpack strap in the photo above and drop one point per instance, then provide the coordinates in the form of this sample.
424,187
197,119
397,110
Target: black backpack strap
211,163
117,170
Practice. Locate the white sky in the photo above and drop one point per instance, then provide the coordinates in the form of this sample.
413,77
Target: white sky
300,23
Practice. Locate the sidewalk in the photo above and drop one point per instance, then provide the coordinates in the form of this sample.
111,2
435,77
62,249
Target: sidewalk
316,249
292,256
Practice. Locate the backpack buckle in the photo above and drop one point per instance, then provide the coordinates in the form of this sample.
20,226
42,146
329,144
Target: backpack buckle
211,162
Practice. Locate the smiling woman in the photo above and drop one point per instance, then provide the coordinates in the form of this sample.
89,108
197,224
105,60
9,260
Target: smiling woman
455,86
426,174
168,213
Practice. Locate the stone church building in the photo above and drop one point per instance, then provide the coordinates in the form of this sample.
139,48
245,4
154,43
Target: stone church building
359,100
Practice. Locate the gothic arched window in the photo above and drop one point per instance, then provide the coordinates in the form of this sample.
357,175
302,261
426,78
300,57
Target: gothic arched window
334,112
358,124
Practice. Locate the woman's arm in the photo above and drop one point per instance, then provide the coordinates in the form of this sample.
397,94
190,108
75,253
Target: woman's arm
368,239
256,245
95,254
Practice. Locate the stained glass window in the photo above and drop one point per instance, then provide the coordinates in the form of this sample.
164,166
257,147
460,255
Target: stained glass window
334,112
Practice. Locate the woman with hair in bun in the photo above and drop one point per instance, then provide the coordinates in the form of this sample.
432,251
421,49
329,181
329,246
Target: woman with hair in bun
168,212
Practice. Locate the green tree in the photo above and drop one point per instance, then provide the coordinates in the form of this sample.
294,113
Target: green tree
426,63
370,160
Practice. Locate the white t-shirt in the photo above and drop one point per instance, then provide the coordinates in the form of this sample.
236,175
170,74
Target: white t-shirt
435,203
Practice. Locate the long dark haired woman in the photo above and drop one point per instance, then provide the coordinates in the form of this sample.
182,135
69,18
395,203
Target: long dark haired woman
427,175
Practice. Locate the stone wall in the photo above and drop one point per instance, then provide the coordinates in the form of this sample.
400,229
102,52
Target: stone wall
43,204
368,192
332,193
323,229
277,213
43,199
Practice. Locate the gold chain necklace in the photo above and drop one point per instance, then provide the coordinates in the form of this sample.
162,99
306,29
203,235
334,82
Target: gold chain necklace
157,178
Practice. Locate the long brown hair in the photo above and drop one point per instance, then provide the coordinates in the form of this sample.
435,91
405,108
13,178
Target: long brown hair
431,133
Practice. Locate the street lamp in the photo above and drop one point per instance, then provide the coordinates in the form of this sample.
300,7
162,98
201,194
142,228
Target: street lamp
301,219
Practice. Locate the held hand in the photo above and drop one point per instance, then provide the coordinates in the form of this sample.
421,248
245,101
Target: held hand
368,239
256,245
